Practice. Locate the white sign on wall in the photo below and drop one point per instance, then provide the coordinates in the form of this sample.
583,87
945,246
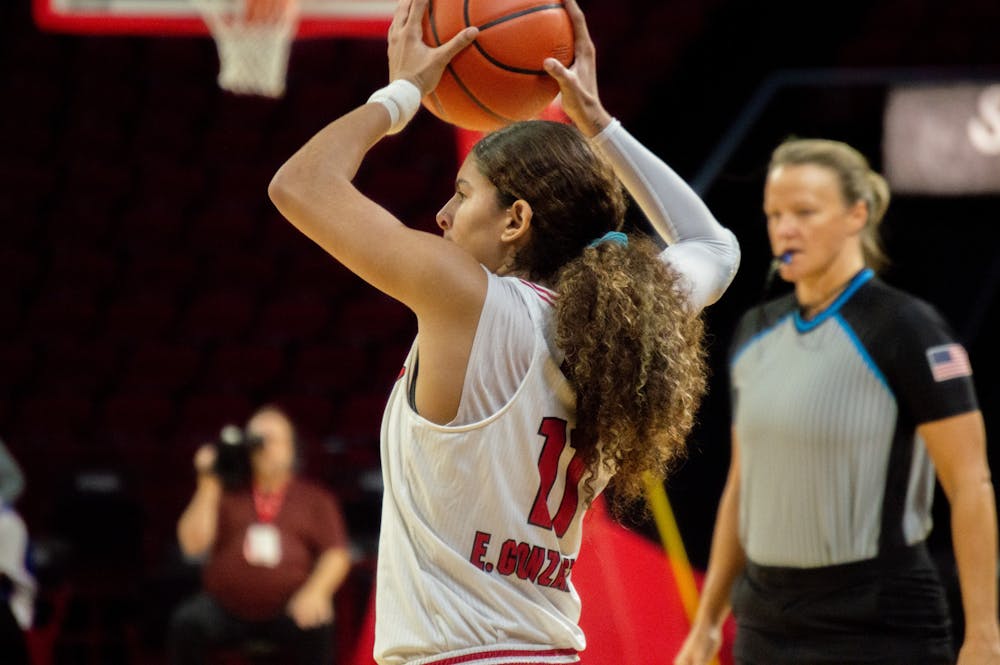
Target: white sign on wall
943,139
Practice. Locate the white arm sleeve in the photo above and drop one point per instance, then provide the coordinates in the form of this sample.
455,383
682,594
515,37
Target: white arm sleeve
700,248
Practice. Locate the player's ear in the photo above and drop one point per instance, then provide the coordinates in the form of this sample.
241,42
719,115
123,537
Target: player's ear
518,221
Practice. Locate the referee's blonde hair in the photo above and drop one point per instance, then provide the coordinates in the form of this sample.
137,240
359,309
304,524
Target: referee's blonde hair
858,182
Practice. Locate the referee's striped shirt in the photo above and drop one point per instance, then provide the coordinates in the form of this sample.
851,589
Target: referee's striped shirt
825,412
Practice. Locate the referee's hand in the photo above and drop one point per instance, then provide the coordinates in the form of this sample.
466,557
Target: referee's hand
700,647
979,652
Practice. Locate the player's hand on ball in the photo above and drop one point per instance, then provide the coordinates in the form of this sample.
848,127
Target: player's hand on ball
410,58
578,83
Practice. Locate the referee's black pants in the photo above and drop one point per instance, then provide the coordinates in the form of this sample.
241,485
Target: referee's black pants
885,611
200,626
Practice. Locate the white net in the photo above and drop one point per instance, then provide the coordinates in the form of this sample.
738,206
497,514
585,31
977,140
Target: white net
254,38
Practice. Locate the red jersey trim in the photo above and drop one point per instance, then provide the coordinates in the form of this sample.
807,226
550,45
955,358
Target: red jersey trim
543,293
523,657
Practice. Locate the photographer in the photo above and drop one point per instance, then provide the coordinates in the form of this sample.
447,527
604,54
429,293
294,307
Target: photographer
275,548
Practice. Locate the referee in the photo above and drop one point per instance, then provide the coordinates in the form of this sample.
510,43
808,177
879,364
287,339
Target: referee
847,395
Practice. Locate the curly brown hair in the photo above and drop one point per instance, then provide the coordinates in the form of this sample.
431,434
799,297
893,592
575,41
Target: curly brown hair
633,347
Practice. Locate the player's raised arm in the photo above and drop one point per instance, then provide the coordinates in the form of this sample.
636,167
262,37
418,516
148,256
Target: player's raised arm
578,82
705,252
313,189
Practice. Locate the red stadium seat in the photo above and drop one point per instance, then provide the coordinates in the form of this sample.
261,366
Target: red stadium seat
160,369
140,318
218,315
360,417
72,365
376,318
18,360
22,211
180,63
63,313
52,421
28,178
329,369
158,273
89,171
169,183
135,421
11,312
32,144
87,135
157,225
44,92
81,269
83,219
255,272
203,416
236,146
295,318
226,223
315,271
313,415
246,368
167,136
389,362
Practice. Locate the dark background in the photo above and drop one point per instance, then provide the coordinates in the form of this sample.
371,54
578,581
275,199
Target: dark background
151,292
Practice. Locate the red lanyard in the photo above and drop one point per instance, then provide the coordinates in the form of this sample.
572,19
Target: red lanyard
267,505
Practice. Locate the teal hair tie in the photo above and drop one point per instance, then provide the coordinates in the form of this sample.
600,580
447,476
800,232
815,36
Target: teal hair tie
611,236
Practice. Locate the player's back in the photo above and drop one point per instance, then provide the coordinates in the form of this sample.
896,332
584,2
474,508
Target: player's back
481,523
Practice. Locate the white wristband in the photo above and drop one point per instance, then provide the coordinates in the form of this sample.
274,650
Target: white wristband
402,99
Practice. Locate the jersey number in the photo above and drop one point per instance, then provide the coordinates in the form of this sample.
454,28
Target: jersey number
554,432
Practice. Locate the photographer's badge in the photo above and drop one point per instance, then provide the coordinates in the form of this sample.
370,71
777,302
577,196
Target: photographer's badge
262,545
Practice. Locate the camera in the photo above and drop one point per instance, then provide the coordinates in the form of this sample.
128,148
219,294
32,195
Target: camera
233,450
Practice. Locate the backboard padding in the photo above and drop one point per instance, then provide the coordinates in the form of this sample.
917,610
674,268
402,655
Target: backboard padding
319,18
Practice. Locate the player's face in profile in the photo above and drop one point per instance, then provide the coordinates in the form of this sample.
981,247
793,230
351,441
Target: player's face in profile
808,218
473,217
277,454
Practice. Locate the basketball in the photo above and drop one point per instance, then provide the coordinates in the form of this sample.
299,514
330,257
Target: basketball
499,79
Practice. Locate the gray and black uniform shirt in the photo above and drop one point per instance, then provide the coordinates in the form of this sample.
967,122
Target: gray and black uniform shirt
825,413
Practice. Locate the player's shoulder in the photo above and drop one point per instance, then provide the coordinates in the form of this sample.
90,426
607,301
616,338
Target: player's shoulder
759,320
530,291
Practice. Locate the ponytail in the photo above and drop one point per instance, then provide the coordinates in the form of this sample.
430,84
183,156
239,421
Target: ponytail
878,204
632,346
635,359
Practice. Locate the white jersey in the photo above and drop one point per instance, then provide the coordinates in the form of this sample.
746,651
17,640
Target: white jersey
481,523
481,518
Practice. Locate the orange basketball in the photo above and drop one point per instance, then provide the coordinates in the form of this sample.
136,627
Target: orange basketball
499,78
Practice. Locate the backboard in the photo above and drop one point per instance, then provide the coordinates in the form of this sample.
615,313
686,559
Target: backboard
319,18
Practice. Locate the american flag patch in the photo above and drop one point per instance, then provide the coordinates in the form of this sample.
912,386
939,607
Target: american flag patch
949,361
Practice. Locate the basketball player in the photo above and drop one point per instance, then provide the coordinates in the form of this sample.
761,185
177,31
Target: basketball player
847,394
553,354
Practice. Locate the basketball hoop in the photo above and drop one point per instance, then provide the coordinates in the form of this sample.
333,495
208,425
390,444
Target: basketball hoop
253,38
